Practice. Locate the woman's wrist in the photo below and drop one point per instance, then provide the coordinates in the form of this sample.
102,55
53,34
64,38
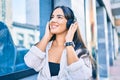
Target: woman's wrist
69,43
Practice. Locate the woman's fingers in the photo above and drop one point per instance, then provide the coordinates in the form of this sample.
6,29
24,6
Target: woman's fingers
73,27
47,32
71,31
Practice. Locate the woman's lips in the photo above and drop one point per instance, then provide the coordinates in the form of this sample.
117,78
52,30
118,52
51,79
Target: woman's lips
53,27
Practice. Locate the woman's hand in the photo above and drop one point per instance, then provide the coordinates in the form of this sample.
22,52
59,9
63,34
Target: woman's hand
48,34
71,32
44,41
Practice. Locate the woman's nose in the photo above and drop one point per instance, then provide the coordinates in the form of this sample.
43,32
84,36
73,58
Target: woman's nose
53,20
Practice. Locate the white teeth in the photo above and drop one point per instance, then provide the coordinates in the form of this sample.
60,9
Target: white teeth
54,26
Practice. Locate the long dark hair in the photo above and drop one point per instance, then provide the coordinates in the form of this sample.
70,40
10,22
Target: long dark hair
69,15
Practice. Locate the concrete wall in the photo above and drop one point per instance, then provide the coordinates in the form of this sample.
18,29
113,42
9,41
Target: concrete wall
6,12
45,11
79,10
103,53
62,2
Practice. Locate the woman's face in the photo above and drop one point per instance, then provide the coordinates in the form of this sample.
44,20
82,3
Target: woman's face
58,22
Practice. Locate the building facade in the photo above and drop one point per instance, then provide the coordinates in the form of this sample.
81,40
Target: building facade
25,35
6,12
96,22
97,26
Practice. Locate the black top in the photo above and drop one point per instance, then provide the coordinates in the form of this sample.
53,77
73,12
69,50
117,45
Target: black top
54,68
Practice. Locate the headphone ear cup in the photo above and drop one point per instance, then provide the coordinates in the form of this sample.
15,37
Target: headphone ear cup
69,22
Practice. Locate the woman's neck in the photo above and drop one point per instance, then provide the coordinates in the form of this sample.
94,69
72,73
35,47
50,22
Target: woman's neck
60,40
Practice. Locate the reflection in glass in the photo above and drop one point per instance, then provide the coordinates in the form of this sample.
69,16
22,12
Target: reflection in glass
14,43
7,51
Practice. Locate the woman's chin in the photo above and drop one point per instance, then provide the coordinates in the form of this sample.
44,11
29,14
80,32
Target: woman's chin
53,31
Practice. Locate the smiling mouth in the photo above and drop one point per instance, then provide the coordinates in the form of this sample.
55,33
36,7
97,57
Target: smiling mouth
53,27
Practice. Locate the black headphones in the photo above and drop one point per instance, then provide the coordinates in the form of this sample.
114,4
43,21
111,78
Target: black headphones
69,22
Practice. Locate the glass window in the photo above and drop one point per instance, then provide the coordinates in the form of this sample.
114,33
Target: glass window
19,30
31,40
20,39
7,51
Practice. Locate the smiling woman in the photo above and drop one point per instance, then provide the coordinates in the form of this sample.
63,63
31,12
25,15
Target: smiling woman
58,22
61,54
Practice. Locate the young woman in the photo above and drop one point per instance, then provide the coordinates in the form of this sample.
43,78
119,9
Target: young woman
61,54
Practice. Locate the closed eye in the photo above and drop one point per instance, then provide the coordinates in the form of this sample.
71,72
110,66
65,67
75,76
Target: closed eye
60,16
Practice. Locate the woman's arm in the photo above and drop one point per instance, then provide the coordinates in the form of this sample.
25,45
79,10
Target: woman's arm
71,55
81,69
44,41
35,58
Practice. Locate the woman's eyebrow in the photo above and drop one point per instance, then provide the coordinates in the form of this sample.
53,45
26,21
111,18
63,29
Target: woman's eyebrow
59,15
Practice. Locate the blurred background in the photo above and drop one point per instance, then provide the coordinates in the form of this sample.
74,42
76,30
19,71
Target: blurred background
22,24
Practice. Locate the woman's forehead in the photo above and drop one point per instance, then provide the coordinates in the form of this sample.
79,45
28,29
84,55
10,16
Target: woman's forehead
58,11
